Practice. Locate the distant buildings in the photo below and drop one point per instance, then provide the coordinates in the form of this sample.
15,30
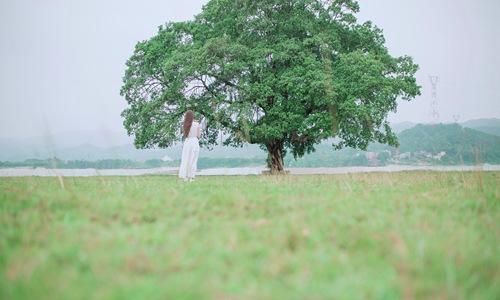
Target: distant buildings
418,157
166,158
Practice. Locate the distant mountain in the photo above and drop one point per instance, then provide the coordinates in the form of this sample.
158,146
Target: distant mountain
420,144
91,152
89,143
485,122
491,126
458,142
98,145
19,150
13,150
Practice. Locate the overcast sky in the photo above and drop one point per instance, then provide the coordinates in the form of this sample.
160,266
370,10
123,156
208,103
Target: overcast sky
62,61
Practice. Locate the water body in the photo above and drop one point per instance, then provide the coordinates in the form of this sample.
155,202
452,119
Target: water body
18,172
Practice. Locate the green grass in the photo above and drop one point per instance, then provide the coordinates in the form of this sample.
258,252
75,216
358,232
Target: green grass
415,235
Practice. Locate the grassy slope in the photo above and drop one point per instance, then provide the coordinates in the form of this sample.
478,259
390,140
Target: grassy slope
365,236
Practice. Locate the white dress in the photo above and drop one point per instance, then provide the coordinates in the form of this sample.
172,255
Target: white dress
190,152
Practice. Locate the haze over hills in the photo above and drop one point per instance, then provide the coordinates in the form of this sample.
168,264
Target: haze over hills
491,126
19,150
96,145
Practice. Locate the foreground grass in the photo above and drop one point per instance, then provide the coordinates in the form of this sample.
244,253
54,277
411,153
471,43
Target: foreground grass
416,235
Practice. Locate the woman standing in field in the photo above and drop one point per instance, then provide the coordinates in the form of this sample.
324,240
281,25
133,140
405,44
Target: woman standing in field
191,147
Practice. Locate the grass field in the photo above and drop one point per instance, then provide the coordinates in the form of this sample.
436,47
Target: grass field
415,235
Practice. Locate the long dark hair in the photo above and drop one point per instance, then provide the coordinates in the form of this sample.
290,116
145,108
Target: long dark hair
188,121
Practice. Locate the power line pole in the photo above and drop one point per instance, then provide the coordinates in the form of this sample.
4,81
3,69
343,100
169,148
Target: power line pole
434,101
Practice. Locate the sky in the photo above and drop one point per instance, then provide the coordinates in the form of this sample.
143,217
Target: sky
62,61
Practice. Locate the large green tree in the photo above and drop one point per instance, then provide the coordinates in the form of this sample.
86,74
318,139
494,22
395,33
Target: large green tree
281,74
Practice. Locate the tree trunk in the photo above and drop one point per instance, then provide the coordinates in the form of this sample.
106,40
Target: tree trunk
275,157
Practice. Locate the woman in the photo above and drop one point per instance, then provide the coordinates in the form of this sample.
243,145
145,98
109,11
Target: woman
191,147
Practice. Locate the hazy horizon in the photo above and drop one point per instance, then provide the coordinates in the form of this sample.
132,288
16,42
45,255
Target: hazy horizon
62,62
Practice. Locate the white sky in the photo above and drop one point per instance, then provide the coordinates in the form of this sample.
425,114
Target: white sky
62,61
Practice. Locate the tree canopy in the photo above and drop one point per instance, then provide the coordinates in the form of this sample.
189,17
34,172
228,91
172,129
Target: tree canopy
282,74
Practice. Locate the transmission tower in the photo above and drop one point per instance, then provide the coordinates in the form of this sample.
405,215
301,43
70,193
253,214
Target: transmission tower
434,102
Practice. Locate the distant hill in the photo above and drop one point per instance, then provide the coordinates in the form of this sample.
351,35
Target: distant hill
19,150
485,122
13,150
459,143
491,126
421,144
462,144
